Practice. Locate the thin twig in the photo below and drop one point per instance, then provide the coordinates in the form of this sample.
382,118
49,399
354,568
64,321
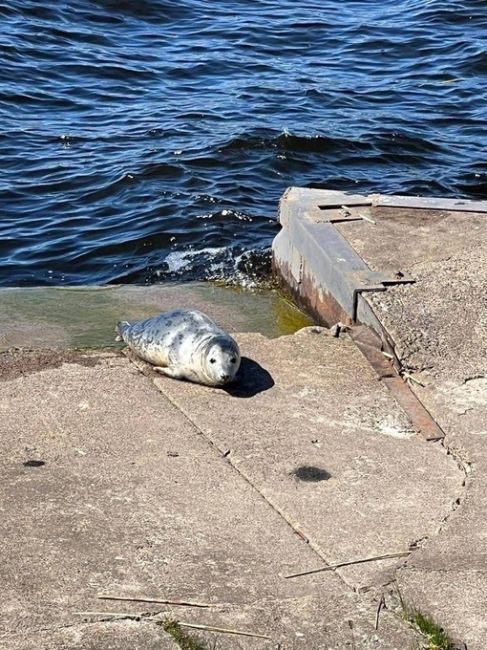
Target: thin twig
112,614
381,604
330,567
127,615
163,601
365,218
350,625
387,355
408,377
223,630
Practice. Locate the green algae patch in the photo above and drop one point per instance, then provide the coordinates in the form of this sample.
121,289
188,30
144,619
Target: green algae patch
434,635
85,317
289,319
184,640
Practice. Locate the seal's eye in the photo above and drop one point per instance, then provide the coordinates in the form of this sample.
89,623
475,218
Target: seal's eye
233,360
212,360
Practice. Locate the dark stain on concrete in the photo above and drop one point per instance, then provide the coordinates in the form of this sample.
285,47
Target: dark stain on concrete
310,474
17,362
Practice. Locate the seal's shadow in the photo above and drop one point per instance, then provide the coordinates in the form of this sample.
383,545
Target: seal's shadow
251,379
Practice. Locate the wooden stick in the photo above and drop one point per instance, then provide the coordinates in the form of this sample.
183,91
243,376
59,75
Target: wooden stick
110,614
379,609
161,601
113,614
365,218
409,377
223,630
330,567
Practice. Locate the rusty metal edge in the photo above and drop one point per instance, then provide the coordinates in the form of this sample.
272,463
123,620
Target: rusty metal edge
334,264
371,346
335,198
328,285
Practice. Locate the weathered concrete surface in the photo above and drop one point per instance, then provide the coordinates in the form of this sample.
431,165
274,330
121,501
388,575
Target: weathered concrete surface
449,577
131,499
439,327
320,405
53,317
114,635
439,323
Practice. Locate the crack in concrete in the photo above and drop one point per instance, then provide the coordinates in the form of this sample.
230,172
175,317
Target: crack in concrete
464,466
225,455
473,378
116,618
436,261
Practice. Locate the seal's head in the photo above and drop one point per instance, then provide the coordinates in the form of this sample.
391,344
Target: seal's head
221,360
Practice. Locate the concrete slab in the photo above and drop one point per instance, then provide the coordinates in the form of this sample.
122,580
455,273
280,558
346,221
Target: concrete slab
53,317
439,323
439,330
115,635
329,448
107,487
449,577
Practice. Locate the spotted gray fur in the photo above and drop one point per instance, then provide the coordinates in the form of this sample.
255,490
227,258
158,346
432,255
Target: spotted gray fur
184,344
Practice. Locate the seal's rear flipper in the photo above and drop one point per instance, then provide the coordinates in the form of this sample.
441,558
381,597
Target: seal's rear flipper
121,328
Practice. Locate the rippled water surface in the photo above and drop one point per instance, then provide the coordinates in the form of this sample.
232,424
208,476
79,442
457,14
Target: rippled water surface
149,140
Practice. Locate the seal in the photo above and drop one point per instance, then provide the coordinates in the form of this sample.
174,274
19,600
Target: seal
184,344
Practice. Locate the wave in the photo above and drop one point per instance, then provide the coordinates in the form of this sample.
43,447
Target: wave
146,141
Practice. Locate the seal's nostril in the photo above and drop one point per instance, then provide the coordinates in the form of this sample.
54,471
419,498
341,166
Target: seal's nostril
225,377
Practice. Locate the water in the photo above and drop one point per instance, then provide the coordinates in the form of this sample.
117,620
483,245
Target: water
142,141
67,317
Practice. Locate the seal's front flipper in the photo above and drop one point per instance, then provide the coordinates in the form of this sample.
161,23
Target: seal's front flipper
176,372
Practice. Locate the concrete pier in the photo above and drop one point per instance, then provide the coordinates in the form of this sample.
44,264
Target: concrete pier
345,470
408,276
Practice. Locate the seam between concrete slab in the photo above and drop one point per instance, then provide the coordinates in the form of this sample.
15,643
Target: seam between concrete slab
340,267
224,455
461,464
296,530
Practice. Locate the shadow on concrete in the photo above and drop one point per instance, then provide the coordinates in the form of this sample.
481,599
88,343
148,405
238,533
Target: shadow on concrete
251,379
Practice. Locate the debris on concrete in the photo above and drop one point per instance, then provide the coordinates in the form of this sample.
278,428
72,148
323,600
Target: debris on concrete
418,282
323,388
125,518
213,497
